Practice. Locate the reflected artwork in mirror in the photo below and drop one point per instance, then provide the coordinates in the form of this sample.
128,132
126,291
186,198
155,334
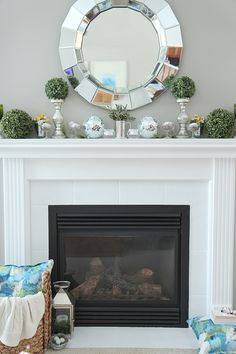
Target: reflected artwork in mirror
120,51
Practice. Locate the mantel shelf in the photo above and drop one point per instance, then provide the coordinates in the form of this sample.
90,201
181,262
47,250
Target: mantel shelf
118,148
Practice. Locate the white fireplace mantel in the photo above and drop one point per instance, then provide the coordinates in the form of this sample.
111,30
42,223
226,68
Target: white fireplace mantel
197,172
118,148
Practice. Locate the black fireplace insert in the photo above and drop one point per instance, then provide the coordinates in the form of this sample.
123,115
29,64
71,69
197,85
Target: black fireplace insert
128,264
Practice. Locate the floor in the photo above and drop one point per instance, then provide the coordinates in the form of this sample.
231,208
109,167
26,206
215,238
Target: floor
90,340
125,351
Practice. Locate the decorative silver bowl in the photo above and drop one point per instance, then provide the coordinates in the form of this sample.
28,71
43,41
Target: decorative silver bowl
55,344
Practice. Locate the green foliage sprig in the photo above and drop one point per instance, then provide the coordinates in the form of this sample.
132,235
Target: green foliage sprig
1,111
73,81
16,124
61,327
169,80
56,89
120,113
220,124
183,87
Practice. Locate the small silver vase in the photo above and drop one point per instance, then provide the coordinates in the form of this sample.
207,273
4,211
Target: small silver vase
120,129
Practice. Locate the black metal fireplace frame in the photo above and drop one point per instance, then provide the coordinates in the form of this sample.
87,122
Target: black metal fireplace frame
144,216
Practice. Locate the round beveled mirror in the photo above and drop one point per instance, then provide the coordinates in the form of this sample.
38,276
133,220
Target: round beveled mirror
120,51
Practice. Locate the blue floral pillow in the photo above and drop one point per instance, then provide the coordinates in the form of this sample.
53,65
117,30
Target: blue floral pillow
213,338
22,280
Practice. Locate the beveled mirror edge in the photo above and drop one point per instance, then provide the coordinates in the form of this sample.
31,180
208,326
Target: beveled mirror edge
139,96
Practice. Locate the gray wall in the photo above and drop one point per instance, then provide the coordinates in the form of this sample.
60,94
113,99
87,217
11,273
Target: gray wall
29,36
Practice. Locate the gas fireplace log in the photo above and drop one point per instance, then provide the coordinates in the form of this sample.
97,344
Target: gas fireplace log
96,266
116,291
142,276
87,288
148,289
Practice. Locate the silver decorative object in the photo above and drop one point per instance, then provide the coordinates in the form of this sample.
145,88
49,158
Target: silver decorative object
168,128
109,133
94,128
148,128
160,35
120,129
58,119
193,128
73,129
133,134
47,129
183,119
58,341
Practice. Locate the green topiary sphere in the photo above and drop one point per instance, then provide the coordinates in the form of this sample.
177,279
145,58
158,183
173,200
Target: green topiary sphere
220,124
56,89
183,87
16,124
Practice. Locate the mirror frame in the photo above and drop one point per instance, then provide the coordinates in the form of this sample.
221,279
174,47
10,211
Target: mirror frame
71,51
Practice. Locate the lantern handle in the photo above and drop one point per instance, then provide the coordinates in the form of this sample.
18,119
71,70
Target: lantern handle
63,284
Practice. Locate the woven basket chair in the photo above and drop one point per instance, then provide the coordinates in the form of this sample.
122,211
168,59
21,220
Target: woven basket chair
39,342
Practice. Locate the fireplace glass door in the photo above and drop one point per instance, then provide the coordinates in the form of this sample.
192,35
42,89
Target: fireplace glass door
124,268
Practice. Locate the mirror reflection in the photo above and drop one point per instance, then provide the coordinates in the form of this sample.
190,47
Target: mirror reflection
116,51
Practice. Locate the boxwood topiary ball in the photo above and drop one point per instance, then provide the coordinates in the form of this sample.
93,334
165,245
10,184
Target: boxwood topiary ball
16,124
220,124
183,87
56,89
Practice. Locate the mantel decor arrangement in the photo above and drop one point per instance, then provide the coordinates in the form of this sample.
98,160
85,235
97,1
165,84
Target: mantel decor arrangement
57,90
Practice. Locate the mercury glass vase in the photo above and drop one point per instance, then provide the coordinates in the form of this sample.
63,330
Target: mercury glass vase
120,129
168,128
193,128
183,119
58,119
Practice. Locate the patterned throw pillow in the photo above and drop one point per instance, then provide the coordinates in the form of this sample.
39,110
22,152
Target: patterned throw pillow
22,280
213,338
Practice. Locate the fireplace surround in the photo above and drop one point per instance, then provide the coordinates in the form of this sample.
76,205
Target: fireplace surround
199,173
128,265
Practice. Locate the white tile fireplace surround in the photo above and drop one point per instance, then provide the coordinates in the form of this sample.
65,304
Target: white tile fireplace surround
199,173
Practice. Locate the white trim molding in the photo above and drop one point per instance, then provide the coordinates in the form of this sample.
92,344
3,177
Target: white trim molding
118,148
222,233
14,211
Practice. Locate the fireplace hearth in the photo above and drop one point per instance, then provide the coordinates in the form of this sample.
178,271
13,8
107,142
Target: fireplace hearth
128,265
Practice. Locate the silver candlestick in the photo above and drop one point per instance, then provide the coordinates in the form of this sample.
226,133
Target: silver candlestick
58,119
183,119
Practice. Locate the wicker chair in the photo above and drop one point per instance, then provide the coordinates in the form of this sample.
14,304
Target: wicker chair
39,342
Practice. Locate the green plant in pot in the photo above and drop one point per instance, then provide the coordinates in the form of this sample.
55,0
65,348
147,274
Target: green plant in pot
120,115
220,124
183,90
57,90
16,124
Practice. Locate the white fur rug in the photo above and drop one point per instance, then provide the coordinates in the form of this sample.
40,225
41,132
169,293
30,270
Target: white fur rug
125,351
